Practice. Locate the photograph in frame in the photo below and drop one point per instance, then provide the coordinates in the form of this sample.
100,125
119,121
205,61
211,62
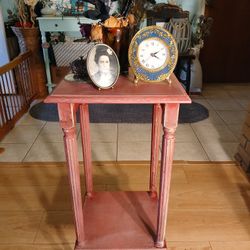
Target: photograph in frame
103,66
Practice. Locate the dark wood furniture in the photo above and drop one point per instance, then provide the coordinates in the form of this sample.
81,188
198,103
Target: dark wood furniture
226,53
120,220
242,155
164,12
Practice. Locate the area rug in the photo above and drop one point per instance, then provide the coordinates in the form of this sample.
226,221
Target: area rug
121,113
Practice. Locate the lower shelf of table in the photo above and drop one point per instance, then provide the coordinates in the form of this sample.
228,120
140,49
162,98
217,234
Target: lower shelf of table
119,220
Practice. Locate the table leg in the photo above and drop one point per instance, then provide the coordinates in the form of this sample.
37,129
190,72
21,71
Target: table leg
50,85
155,144
86,147
170,120
67,119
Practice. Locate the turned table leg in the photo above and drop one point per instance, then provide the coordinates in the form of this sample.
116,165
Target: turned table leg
170,120
86,147
155,143
68,123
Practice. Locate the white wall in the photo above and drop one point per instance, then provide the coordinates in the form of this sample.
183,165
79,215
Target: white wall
195,7
4,57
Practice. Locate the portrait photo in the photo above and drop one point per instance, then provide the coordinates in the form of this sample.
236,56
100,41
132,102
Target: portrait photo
103,66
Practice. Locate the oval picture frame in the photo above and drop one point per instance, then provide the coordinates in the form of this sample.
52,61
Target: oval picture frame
103,66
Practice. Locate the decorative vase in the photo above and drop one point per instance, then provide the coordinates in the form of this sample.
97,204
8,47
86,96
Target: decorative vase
180,28
47,11
29,39
118,40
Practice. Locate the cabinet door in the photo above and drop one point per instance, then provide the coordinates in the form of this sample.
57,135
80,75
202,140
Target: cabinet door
226,55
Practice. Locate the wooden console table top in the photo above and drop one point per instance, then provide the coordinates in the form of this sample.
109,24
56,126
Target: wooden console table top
124,91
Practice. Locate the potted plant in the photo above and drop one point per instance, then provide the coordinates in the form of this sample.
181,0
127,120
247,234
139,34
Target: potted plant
25,27
26,13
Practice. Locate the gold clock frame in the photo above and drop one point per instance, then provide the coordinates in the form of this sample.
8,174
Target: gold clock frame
161,34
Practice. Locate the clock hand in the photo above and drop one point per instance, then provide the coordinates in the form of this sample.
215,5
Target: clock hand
147,58
154,55
157,51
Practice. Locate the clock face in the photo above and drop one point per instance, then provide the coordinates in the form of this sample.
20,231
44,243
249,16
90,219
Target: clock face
153,54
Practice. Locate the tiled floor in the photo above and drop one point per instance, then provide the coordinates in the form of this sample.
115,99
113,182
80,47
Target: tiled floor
213,139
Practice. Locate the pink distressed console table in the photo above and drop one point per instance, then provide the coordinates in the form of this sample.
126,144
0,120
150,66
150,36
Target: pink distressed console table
120,220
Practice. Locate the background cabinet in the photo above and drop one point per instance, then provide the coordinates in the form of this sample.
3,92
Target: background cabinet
58,24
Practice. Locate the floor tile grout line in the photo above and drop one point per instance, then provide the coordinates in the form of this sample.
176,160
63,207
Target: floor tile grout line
198,136
18,126
237,139
32,144
16,143
226,124
229,94
228,111
200,143
216,111
243,108
231,98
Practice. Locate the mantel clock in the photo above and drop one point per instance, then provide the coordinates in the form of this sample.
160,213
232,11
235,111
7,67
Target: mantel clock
153,54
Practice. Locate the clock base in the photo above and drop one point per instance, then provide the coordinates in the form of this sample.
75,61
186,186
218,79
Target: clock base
131,75
136,80
169,80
